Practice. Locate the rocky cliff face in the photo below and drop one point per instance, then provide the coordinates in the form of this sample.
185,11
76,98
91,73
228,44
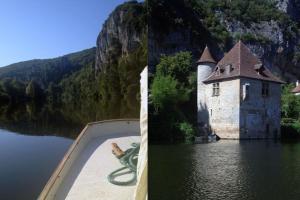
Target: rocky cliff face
121,33
291,7
271,31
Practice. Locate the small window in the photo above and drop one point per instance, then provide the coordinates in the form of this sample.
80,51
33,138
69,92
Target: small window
216,89
246,92
265,89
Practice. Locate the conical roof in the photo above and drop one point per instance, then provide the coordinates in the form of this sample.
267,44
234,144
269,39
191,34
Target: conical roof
206,57
242,64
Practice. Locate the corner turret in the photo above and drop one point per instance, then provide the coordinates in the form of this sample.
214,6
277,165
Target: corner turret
206,57
206,63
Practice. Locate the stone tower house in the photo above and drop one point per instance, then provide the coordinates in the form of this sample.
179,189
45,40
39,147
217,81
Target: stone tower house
238,97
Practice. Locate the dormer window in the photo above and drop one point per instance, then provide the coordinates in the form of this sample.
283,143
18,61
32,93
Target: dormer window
265,89
218,71
258,68
228,69
225,69
216,89
221,69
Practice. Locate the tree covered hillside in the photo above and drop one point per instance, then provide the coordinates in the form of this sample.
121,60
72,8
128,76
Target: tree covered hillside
74,85
35,78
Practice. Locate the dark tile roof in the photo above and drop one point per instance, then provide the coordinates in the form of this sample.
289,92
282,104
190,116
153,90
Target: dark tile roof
240,62
206,57
296,89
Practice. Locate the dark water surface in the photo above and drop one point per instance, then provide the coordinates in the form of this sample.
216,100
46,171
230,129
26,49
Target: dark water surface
243,170
32,143
27,162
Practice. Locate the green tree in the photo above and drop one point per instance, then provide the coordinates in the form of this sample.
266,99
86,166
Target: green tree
290,103
178,66
172,94
165,91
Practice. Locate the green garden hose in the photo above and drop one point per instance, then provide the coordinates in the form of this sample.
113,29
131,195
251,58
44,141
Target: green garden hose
129,161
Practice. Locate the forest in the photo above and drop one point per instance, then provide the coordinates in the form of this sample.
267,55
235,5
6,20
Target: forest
69,83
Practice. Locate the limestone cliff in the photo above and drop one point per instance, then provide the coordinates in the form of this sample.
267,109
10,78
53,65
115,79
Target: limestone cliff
271,29
121,33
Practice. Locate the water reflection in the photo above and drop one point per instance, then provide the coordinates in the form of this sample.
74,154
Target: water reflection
27,162
35,119
225,170
29,147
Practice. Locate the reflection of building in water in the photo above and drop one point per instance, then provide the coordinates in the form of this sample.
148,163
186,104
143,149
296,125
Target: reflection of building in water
238,97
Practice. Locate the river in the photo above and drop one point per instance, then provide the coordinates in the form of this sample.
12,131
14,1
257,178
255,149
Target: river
227,169
32,143
34,138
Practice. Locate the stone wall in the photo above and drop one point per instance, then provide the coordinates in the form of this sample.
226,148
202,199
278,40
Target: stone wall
224,109
260,116
236,114
203,71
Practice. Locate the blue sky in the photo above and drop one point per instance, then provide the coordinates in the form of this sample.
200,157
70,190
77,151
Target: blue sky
32,29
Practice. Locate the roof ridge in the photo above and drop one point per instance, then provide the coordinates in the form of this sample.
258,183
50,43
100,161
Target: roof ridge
239,52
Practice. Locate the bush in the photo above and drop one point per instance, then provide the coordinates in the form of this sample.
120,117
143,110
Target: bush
290,103
165,92
188,131
290,130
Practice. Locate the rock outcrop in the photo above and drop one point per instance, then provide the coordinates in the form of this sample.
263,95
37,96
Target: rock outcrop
291,7
121,33
273,37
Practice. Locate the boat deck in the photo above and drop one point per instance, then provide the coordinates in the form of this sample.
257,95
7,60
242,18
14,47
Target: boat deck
87,178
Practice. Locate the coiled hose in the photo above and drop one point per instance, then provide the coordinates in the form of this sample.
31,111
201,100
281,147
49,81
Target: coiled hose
129,161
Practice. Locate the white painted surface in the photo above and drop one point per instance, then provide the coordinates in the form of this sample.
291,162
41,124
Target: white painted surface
87,178
82,174
141,190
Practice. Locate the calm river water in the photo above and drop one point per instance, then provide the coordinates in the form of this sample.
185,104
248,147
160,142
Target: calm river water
32,143
243,170
27,162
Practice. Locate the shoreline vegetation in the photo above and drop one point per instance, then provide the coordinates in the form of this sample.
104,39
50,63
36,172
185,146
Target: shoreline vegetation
290,113
172,101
